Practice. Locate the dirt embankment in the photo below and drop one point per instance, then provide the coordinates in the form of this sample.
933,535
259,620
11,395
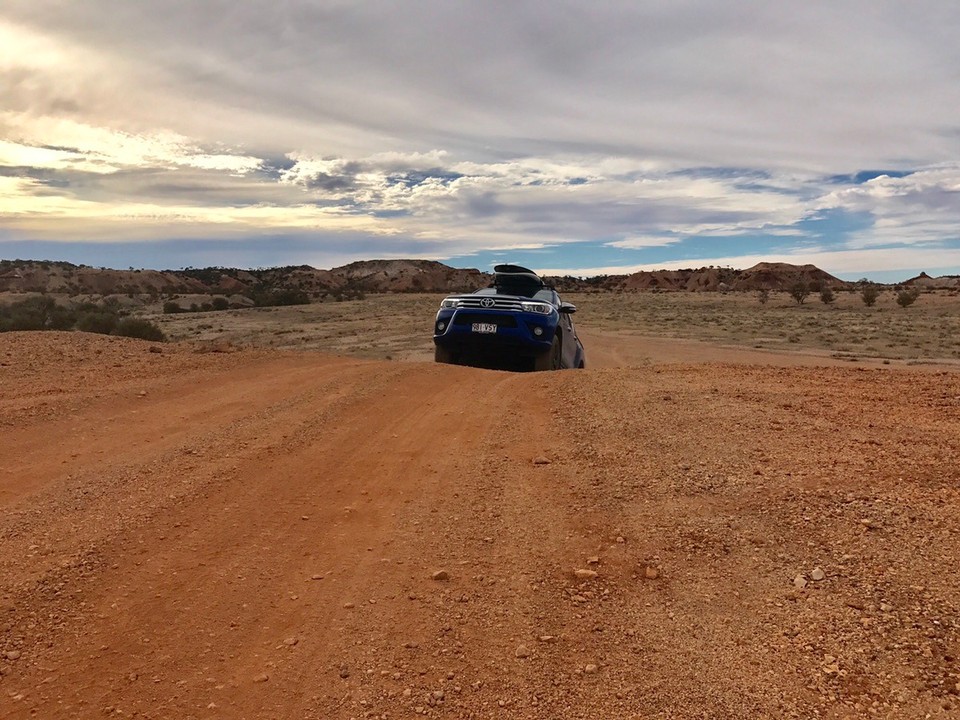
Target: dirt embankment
266,534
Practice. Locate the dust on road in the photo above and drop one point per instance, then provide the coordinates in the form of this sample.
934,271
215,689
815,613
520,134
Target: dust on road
290,535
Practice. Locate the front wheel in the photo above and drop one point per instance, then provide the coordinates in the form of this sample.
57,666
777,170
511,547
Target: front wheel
442,355
549,360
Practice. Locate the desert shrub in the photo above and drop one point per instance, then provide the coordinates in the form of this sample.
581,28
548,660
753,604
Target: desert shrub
139,328
97,321
220,303
61,318
869,295
907,297
36,313
206,307
171,308
272,298
799,291
826,295
763,295
29,314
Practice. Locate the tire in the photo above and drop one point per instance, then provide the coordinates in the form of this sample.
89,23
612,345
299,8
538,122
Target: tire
549,360
442,355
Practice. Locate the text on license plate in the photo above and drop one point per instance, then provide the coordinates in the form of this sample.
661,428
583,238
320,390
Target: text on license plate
484,328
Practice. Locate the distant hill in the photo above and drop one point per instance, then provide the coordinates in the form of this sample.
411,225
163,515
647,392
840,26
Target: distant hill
769,276
925,282
366,276
379,276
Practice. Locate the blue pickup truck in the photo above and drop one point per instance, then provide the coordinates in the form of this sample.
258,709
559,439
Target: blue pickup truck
518,321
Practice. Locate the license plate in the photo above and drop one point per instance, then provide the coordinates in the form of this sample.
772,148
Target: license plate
484,328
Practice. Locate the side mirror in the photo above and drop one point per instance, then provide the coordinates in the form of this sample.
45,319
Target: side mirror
566,307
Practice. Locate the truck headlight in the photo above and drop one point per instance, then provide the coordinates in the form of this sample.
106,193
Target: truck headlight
449,303
537,307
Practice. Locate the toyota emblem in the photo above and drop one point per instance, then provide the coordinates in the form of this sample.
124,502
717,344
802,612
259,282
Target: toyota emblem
488,302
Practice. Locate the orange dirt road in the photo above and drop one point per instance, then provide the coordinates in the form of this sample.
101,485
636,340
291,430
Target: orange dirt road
289,535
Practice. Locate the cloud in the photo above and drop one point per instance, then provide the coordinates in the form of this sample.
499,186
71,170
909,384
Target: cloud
920,208
635,126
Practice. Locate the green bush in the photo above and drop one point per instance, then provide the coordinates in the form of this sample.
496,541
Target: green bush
34,313
826,295
139,328
171,308
907,297
271,298
869,295
220,303
42,313
100,321
799,291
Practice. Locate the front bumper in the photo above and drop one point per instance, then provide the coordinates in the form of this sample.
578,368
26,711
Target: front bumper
516,335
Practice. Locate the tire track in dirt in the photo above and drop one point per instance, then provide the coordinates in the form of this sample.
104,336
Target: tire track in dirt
227,563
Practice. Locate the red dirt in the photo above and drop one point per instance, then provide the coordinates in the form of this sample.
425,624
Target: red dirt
255,535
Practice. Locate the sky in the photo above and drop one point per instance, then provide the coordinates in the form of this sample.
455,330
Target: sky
575,138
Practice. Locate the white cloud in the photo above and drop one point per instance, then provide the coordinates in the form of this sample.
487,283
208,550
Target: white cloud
635,243
923,207
635,125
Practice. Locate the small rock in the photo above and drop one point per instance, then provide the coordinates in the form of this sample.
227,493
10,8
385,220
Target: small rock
547,638
585,574
541,460
522,652
817,574
651,572
348,605
593,560
886,607
12,654
344,672
620,540
799,582
291,641
316,577
590,669
869,524
262,677
856,605
441,575
142,393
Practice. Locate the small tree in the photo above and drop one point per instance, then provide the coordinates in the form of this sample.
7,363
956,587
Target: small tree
799,291
826,295
869,295
907,297
763,294
220,303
